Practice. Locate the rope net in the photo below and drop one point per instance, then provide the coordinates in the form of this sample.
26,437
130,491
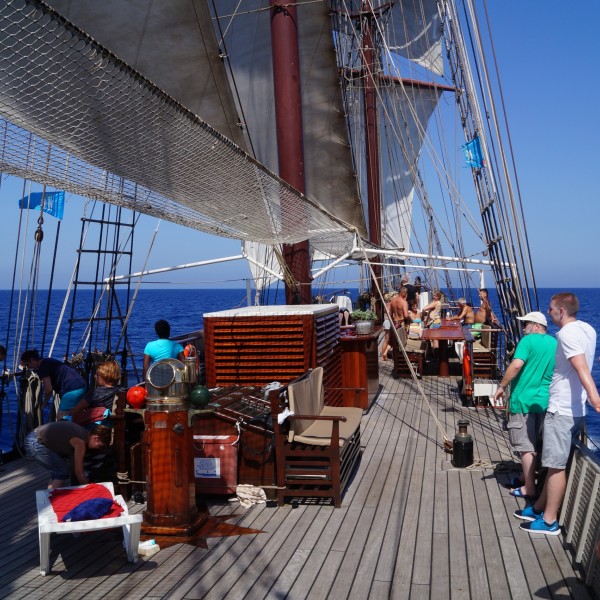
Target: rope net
75,117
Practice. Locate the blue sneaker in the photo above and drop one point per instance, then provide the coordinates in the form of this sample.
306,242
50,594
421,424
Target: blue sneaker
528,514
540,526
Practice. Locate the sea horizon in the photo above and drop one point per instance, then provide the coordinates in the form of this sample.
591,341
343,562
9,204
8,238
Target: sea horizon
184,310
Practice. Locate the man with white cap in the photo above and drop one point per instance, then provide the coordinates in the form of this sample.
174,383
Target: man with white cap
529,374
571,386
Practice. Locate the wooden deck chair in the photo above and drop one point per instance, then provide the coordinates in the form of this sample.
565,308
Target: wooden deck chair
485,354
318,447
415,349
48,523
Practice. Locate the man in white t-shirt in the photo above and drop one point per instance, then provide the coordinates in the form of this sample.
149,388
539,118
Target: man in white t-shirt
571,385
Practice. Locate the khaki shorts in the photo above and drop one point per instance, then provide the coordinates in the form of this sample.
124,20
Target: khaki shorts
559,433
525,431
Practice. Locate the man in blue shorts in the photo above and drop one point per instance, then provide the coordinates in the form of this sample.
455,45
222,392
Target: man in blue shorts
55,444
529,375
571,384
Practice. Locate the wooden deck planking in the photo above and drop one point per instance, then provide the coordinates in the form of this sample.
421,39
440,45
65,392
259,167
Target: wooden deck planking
380,548
410,526
423,560
233,553
498,583
318,555
479,584
407,536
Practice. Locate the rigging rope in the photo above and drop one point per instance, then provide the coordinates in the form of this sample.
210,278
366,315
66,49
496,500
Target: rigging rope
413,373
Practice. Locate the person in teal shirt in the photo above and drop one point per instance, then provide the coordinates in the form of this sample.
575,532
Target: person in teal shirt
163,347
529,375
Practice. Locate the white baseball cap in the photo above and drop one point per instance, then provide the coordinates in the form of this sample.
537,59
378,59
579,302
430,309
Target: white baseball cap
535,317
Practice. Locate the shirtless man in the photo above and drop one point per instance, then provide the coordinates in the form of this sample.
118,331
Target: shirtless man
399,308
485,314
466,314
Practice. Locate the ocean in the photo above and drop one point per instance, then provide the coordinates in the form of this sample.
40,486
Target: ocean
183,309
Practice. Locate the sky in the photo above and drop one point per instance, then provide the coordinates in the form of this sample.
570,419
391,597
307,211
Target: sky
547,57
548,60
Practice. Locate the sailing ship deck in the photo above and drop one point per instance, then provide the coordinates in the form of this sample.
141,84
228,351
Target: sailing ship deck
410,526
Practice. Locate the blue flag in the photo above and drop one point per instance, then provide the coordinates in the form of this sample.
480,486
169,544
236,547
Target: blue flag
54,202
473,153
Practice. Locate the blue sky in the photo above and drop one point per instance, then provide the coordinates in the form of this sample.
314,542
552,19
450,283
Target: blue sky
548,60
547,56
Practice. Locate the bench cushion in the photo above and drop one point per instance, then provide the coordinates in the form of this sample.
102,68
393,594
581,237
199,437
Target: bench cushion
415,346
479,347
319,433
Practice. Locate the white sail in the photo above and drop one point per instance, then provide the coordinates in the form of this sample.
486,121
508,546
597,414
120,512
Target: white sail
220,67
406,110
414,31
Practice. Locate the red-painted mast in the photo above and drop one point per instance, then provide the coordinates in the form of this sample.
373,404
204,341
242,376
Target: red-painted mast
371,135
290,148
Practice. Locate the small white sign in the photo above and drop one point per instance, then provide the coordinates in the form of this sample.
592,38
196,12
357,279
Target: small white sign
207,468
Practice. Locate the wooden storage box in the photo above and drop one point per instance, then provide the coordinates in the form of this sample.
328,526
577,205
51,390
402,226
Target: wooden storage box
360,368
242,412
215,463
262,344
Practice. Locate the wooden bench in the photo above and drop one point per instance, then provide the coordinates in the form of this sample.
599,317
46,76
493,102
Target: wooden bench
316,449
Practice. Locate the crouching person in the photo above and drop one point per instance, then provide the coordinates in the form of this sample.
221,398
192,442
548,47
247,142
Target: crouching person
55,444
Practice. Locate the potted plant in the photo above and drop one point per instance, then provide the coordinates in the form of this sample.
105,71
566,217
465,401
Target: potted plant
364,320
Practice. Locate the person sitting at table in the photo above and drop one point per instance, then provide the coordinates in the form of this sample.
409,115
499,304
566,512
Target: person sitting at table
485,315
432,315
414,329
413,313
466,314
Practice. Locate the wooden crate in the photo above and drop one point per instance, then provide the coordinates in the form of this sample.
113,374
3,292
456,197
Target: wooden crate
255,447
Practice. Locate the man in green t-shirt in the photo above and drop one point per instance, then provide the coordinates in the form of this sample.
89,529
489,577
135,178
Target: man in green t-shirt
529,375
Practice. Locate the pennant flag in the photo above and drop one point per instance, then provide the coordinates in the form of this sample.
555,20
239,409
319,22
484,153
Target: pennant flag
474,154
54,202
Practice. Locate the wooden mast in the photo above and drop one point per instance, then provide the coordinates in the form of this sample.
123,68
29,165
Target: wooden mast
290,148
371,138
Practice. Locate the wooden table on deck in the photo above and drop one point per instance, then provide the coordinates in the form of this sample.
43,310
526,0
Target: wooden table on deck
449,331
